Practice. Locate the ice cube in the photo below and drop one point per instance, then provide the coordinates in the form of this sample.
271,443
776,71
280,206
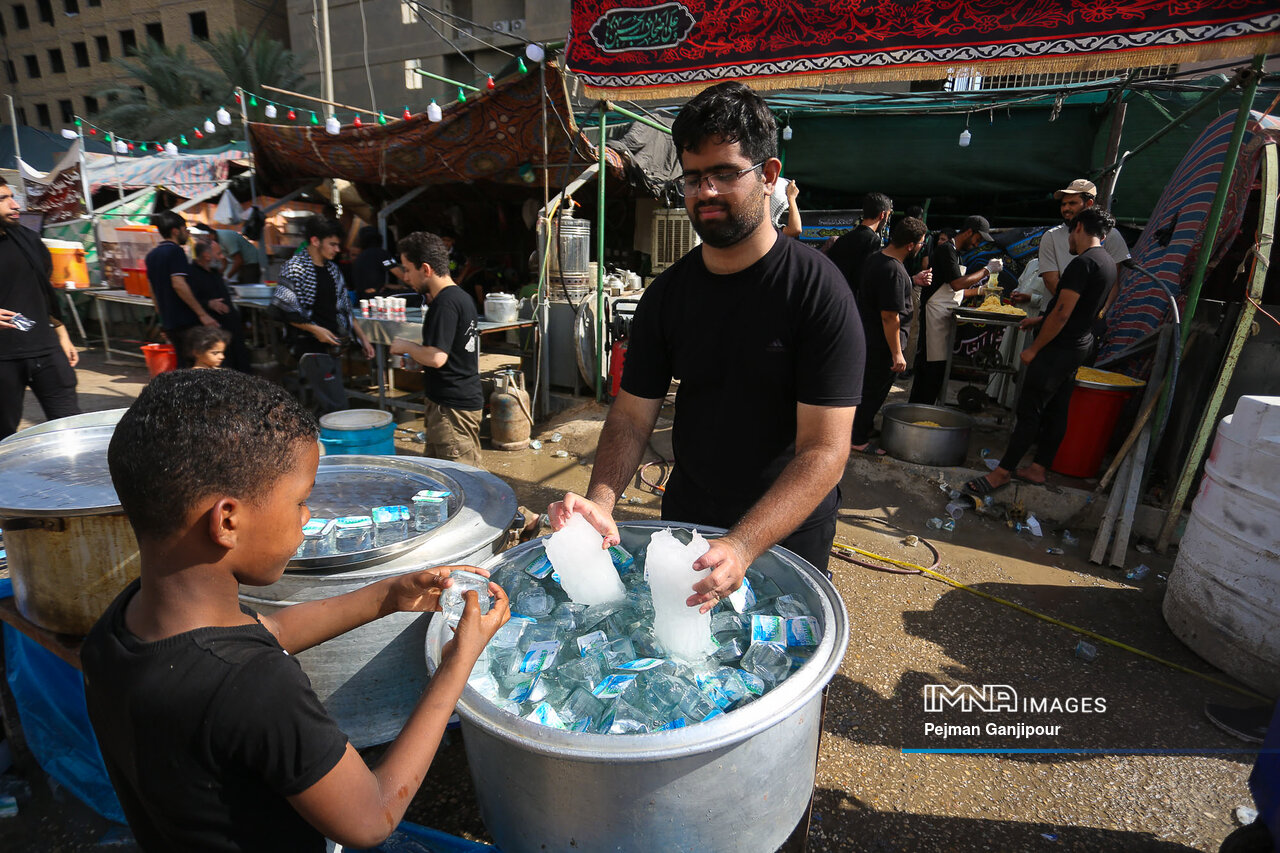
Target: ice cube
533,602
680,629
659,690
789,606
485,684
587,572
596,614
451,600
568,615
769,661
645,643
537,633
732,685
619,650
508,635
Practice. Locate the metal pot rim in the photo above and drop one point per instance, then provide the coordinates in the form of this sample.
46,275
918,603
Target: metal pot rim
723,732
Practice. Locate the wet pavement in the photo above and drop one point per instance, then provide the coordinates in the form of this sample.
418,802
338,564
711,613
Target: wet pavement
1139,789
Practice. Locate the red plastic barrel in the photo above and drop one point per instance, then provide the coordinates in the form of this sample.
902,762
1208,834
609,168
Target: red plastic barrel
1093,417
160,358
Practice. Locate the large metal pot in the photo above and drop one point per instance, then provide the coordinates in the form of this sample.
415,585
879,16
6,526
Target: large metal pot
738,783
70,548
370,679
106,417
945,444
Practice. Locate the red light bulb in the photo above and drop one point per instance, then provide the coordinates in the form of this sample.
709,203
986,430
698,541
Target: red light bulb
199,135
357,122
292,115
407,115
237,97
489,84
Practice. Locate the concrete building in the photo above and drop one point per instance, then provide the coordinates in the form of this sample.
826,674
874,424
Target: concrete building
58,53
446,37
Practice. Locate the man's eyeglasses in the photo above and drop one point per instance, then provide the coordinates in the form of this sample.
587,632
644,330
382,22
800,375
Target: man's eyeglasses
721,182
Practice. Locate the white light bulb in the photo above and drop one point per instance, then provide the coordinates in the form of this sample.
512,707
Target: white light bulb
332,126
786,133
433,111
170,149
271,111
69,133
535,52
208,126
965,136
121,148
224,117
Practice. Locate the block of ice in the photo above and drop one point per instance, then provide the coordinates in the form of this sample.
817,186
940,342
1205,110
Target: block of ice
538,632
597,613
485,684
540,656
567,615
452,601
659,690
587,572
508,635
680,629
645,643
353,533
694,705
726,622
769,661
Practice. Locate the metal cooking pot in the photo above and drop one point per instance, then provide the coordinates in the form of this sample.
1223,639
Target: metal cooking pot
944,445
544,789
106,417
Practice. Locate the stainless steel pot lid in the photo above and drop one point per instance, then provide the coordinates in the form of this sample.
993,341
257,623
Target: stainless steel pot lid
107,417
59,473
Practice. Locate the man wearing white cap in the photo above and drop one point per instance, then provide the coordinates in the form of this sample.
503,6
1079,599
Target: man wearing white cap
1054,253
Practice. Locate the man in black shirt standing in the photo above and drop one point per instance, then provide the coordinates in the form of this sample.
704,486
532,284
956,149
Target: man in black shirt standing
450,352
210,289
312,297
167,271
35,350
884,303
1063,340
765,338
853,248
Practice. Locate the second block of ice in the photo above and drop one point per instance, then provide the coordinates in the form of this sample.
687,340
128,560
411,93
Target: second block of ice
680,629
586,572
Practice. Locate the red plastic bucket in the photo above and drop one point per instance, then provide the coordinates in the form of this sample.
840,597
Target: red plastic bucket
160,358
1092,419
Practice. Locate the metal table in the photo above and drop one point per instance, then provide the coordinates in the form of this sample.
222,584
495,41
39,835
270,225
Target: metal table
972,315
70,294
123,298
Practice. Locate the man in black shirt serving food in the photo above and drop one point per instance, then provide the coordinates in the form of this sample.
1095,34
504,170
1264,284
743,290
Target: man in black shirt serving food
765,338
1063,340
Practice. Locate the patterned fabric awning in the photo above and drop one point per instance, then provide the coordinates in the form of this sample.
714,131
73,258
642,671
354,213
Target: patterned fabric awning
183,174
672,48
495,136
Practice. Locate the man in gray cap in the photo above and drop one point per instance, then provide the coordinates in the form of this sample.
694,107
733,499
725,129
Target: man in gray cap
1054,253
950,286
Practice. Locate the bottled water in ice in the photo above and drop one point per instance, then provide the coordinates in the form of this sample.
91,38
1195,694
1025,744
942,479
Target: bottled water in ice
353,533
679,628
390,524
534,602
451,600
769,661
587,572
317,538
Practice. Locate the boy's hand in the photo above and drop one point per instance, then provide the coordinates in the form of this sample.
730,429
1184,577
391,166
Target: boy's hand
474,631
419,592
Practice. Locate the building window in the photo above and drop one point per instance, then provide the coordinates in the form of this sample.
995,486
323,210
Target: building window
407,15
44,8
104,48
68,112
93,4
42,115
11,71
22,115
90,105
71,7
20,16
82,54
33,66
155,32
56,65
128,42
412,79
199,25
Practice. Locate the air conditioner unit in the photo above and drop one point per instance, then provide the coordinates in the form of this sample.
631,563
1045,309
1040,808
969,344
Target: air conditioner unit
672,237
517,24
501,26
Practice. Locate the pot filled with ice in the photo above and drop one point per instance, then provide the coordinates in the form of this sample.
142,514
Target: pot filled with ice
607,715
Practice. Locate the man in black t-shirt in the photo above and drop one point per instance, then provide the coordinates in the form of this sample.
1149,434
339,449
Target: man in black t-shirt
884,303
39,357
210,289
853,248
449,353
167,271
312,297
763,335
1062,344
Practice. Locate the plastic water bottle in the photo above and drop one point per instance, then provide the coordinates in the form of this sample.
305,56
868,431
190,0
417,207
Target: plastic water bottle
1138,573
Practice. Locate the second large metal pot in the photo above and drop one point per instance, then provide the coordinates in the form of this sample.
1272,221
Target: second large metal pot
903,438
738,783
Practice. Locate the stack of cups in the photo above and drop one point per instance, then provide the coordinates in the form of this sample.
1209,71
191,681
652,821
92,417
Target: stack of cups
364,307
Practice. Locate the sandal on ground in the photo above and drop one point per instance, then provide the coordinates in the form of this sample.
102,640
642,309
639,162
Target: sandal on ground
869,449
980,487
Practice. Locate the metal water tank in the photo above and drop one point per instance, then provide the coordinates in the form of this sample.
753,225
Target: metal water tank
1224,591
569,259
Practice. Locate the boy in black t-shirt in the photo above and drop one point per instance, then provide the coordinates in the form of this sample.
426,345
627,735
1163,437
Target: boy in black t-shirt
1062,344
450,352
208,726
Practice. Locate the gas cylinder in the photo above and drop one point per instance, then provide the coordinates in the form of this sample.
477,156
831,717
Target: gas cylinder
510,418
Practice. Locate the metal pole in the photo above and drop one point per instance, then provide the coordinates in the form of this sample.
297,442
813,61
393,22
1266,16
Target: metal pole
244,122
600,331
448,80
1257,282
1113,148
84,169
326,73
643,119
17,148
542,383
1210,233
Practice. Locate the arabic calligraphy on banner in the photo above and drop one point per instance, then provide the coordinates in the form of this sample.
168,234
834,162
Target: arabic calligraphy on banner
58,197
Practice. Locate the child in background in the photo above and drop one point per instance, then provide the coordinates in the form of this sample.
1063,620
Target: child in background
207,346
209,728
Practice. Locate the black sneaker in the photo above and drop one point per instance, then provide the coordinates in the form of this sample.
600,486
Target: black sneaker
1247,724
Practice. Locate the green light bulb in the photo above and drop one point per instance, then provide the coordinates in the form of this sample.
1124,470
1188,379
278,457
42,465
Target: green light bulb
314,120
382,119
520,65
253,100
462,97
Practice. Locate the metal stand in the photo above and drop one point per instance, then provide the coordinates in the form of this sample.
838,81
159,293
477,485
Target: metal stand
966,315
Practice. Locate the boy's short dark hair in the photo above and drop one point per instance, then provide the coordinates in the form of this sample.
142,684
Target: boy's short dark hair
202,339
192,434
319,227
726,113
166,222
874,204
908,230
1096,221
423,247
